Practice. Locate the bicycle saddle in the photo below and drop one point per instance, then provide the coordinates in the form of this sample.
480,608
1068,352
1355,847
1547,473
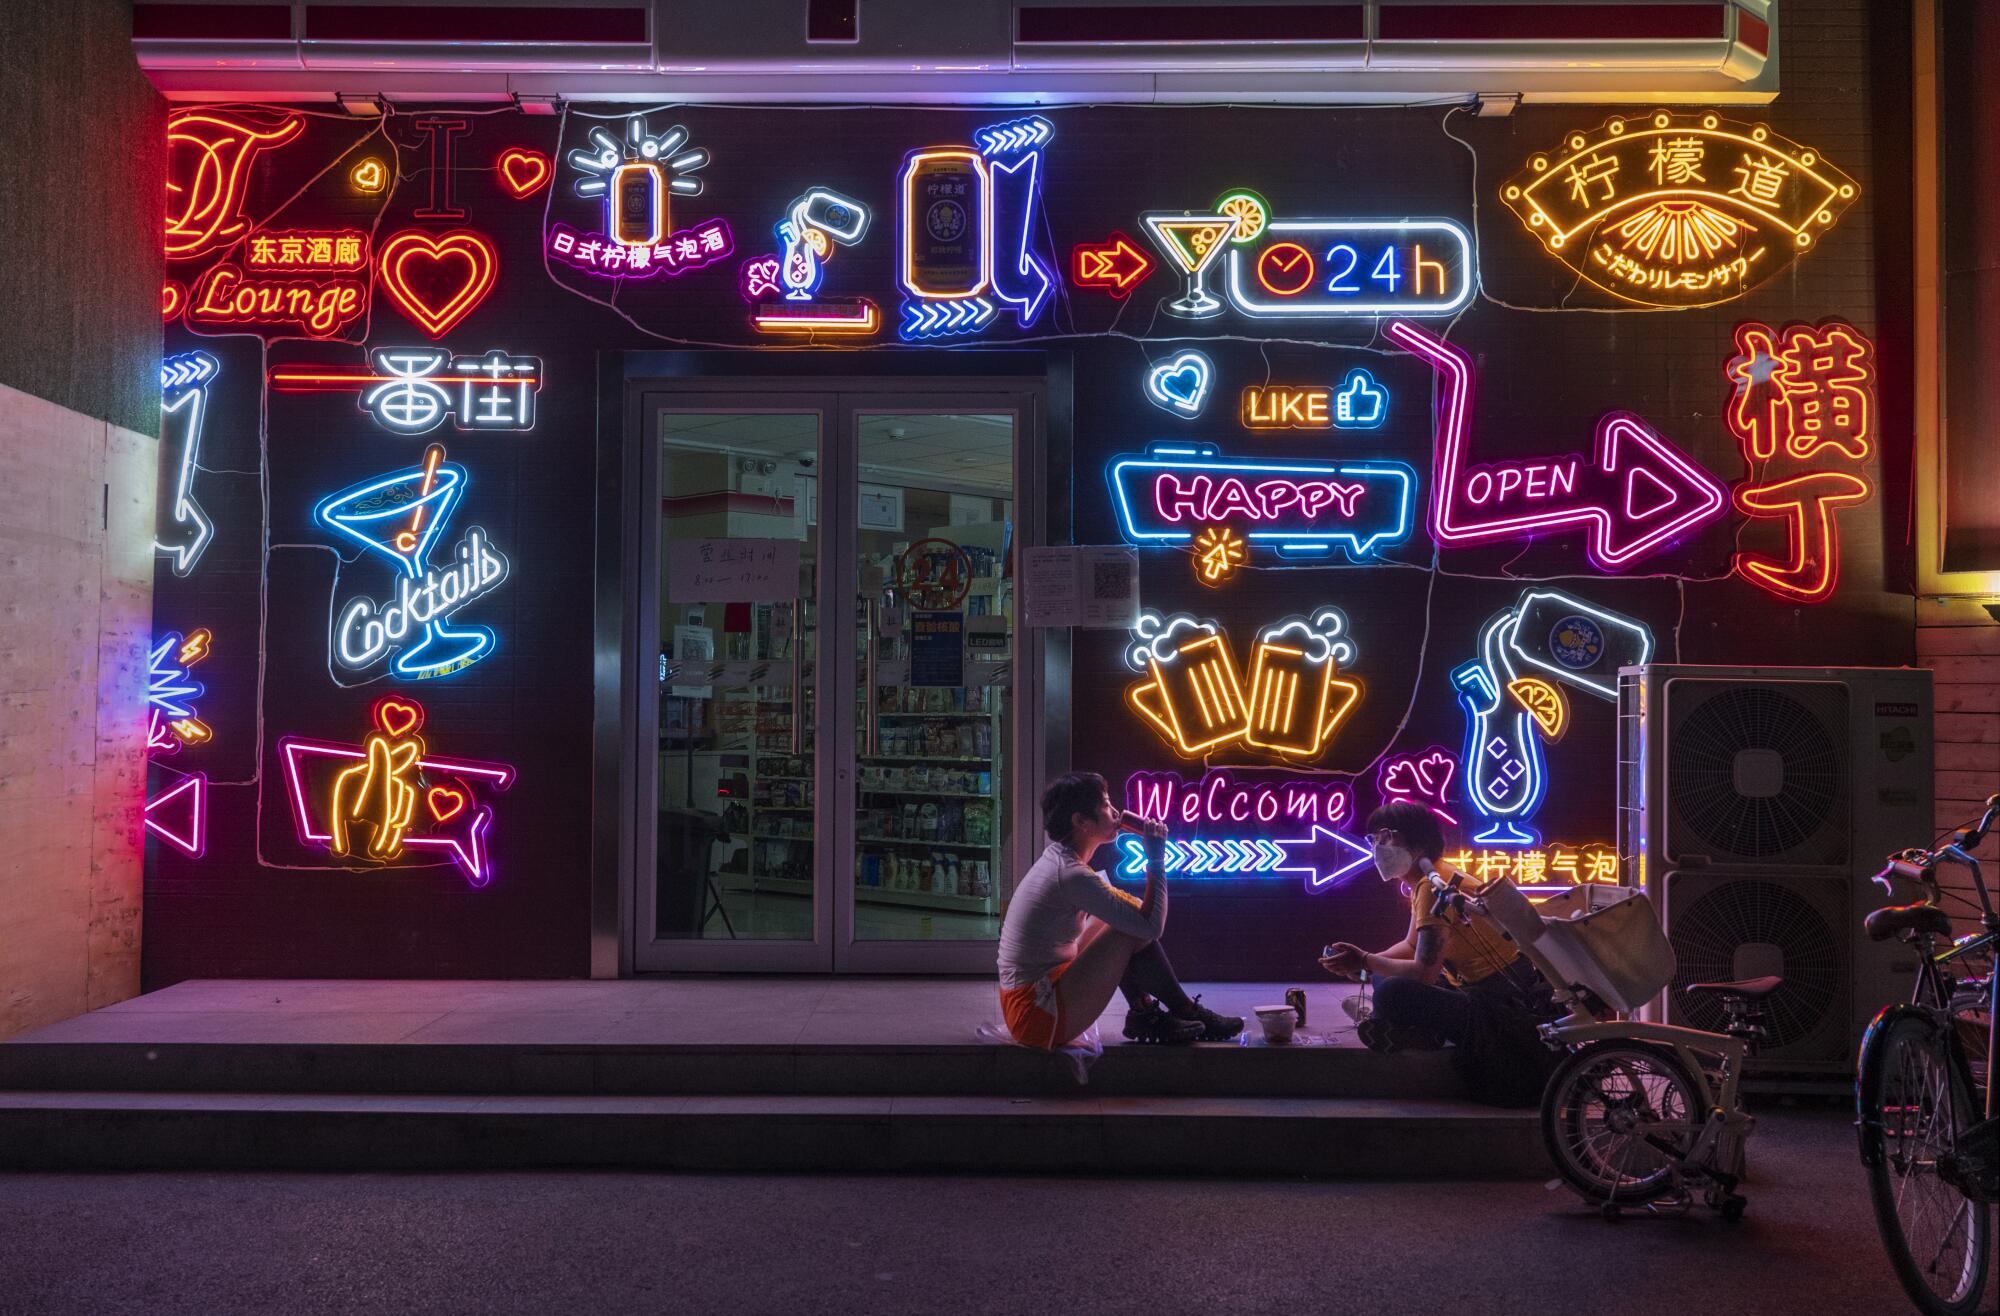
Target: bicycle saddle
1886,923
1750,989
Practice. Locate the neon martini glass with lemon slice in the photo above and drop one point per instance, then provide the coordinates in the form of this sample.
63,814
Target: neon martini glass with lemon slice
400,516
1193,243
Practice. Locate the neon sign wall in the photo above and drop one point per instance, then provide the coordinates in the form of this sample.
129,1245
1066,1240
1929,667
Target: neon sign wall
1806,395
389,799
400,517
1635,495
1678,209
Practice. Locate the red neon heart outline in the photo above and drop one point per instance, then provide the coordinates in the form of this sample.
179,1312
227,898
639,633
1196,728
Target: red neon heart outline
521,155
475,249
457,798
398,717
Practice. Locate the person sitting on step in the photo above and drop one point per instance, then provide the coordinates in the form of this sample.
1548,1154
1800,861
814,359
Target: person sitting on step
1491,999
1071,938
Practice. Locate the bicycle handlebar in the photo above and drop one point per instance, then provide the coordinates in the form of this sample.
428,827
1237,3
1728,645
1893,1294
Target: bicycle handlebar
1920,865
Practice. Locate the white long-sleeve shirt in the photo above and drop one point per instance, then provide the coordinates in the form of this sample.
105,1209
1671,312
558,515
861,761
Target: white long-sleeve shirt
1046,915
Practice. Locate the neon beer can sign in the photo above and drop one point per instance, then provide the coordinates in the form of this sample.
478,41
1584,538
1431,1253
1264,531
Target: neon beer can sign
947,218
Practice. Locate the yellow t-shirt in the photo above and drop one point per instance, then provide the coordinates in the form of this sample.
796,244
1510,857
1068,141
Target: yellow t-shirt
1473,948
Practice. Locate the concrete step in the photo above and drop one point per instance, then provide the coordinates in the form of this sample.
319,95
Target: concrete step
1217,1070
81,1130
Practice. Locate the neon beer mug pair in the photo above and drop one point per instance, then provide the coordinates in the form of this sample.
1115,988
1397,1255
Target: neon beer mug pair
1193,693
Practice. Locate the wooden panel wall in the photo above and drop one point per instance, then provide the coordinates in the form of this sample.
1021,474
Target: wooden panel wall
76,617
1962,647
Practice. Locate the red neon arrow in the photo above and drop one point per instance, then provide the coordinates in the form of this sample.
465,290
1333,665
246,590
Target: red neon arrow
1114,265
1635,493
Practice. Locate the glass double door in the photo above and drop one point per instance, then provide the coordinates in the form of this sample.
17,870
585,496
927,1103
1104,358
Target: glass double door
839,703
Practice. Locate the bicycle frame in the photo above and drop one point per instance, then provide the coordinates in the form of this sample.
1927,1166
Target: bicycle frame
1930,969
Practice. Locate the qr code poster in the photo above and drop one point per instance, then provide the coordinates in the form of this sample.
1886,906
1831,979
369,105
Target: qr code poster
1085,585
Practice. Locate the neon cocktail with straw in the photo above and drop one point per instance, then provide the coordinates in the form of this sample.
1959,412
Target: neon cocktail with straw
1192,242
401,516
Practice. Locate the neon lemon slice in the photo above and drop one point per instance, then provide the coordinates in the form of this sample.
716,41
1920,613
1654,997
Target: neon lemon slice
1544,702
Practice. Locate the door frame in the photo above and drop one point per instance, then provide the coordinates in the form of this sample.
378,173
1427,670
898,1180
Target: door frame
626,382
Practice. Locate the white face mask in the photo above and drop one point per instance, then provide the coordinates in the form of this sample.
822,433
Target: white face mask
1392,861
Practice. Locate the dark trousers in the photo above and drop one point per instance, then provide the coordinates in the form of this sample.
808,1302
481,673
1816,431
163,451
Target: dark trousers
1443,1012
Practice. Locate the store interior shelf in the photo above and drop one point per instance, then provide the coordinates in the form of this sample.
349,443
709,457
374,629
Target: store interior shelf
922,844
876,895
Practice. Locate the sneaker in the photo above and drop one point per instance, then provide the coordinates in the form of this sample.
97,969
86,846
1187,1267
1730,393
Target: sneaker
1385,1038
1216,1027
1154,1026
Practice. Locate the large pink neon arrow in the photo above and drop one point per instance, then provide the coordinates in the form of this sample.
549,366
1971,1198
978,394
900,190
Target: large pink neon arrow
1635,494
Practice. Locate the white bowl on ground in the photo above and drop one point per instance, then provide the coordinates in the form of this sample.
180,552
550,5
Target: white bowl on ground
1278,1021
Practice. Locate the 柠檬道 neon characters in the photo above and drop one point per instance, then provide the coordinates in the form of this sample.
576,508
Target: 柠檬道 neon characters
1674,209
400,517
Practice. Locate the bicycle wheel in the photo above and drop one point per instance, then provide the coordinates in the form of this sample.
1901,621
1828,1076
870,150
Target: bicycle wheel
1618,1117
1914,1104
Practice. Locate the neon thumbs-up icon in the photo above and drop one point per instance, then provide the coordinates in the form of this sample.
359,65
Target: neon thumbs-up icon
1361,402
1298,698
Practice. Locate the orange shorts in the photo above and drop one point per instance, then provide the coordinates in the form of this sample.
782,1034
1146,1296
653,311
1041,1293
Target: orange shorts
1031,1010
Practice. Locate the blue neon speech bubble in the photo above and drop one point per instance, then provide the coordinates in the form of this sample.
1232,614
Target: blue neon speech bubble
1172,491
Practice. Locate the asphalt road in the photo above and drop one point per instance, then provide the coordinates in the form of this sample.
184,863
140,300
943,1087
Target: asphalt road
210,1243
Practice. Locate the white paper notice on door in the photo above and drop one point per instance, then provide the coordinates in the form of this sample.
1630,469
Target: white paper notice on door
1086,585
732,570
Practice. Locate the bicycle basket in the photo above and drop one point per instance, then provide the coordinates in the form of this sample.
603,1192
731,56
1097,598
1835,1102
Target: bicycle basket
1607,939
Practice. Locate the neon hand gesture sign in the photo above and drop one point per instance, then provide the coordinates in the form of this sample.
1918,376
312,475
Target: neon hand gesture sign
390,799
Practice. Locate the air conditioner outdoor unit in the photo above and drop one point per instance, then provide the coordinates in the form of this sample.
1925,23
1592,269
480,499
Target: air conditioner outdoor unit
1754,805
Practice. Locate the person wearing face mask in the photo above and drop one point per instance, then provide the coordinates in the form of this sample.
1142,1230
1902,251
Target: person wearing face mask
1454,979
1070,938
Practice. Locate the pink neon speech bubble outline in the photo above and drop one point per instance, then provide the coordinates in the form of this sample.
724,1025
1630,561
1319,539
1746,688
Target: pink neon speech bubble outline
469,854
1615,431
